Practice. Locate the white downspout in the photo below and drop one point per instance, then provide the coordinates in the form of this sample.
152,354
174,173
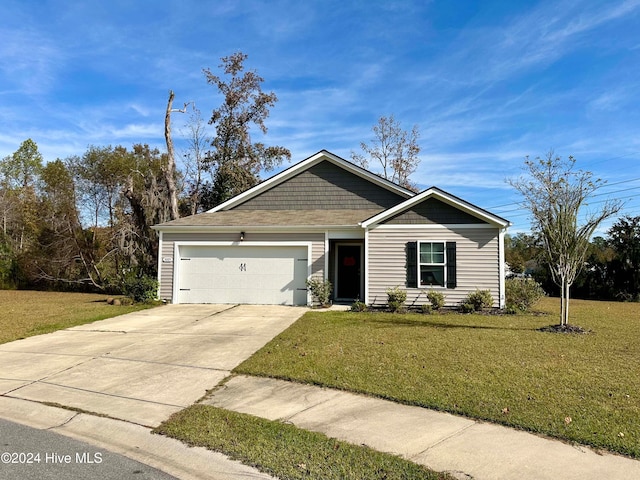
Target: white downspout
326,256
366,266
159,264
501,261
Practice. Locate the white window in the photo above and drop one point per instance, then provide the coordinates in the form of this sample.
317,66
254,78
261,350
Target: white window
432,264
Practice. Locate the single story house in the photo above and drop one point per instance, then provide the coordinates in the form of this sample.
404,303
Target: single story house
326,217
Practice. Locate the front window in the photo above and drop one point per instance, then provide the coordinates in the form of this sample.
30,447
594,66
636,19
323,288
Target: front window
431,264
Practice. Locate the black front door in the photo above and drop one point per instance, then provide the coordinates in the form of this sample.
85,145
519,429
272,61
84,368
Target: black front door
348,268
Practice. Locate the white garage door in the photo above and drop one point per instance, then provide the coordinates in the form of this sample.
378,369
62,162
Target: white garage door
242,274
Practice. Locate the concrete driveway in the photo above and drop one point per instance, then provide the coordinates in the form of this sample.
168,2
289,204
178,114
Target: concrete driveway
140,367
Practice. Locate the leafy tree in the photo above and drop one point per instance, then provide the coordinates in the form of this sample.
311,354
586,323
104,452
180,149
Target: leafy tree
19,178
624,239
100,176
62,235
595,281
23,167
147,204
126,192
8,206
395,149
522,252
235,159
7,264
554,193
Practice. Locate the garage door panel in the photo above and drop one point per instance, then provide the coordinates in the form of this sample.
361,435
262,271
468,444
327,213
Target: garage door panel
242,274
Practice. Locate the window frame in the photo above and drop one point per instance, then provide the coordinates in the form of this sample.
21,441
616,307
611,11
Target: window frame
420,264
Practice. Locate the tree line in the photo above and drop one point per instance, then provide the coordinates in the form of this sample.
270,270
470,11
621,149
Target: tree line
83,222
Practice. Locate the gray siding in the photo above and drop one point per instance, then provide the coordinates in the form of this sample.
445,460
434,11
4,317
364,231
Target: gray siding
477,262
169,239
432,211
324,186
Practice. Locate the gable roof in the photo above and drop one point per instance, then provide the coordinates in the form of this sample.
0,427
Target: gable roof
435,192
300,167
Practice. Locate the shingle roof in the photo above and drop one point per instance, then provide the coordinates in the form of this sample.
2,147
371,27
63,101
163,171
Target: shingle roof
344,217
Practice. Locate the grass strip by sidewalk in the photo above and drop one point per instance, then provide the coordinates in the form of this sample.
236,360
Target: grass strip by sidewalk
582,388
284,450
24,313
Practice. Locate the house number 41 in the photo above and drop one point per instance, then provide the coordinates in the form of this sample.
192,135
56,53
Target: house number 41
243,267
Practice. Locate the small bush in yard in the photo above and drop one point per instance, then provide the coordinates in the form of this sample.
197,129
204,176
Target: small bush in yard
396,298
140,288
436,299
522,293
478,300
466,307
320,290
358,306
426,308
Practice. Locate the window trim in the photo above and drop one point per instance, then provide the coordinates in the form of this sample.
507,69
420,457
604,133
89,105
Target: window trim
412,264
419,264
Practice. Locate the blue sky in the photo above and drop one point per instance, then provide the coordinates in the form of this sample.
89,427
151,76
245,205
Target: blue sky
487,82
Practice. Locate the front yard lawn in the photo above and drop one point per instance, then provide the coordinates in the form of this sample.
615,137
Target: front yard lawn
26,313
284,450
582,388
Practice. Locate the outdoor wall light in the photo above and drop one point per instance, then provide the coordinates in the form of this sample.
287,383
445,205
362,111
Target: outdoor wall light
241,236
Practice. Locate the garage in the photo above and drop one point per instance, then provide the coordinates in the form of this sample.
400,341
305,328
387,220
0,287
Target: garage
250,274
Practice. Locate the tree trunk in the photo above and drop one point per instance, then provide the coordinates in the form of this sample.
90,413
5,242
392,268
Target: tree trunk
169,170
561,304
564,301
566,307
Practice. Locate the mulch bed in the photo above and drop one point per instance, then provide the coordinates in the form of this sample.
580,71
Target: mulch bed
571,329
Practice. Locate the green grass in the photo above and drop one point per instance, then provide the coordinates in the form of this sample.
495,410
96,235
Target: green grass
284,450
27,313
582,388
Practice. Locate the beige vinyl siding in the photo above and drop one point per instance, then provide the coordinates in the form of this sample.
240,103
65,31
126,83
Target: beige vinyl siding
476,253
169,239
165,275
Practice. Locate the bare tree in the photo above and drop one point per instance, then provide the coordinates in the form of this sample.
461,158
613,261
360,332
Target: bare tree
395,149
555,193
169,169
195,160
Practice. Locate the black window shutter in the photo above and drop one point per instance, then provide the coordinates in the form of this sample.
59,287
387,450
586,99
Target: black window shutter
451,265
412,264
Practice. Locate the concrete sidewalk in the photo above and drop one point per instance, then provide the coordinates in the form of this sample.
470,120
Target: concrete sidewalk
465,448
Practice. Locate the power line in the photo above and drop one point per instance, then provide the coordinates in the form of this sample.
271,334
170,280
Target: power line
592,196
524,213
613,158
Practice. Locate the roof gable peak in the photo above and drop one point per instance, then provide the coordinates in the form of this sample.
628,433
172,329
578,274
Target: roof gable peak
439,194
304,165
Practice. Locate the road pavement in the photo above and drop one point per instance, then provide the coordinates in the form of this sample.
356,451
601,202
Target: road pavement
32,454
